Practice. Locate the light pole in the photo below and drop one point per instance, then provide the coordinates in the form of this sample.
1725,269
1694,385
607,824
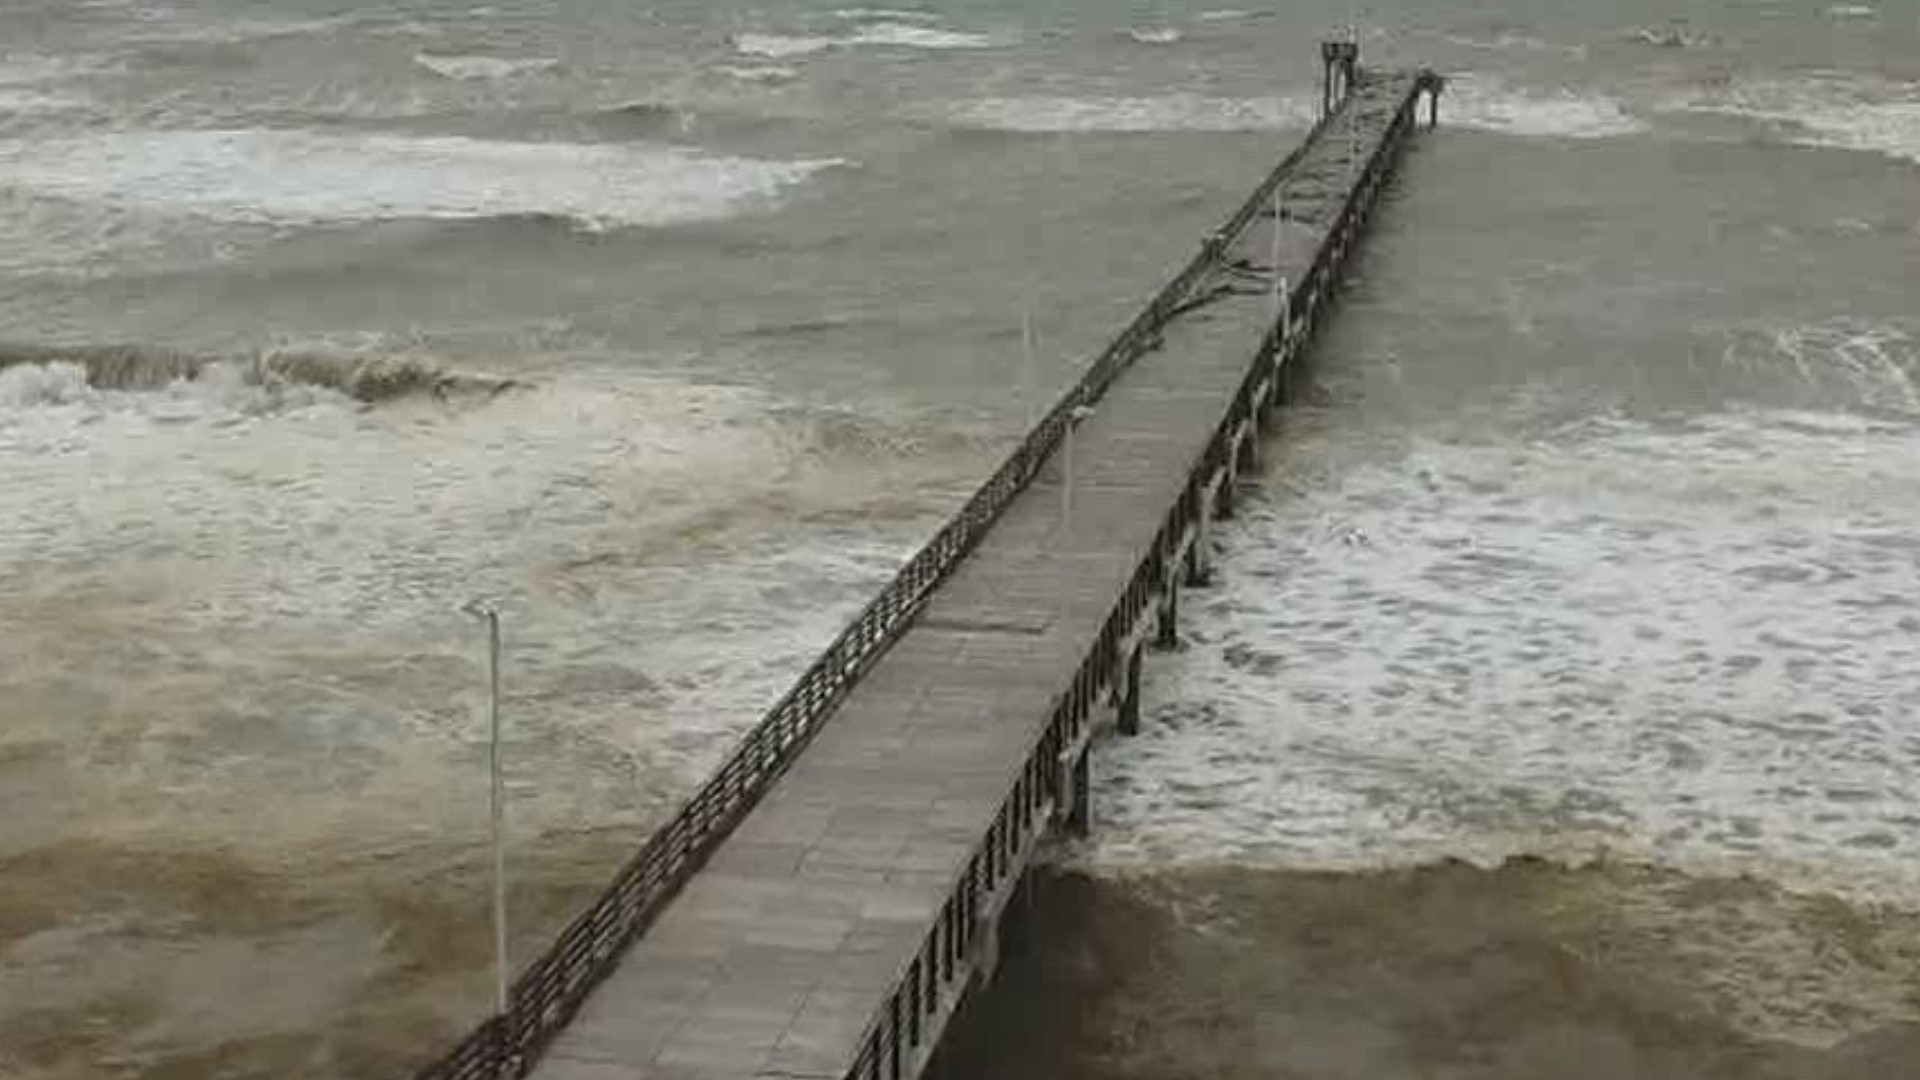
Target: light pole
1279,281
1079,413
486,613
1026,372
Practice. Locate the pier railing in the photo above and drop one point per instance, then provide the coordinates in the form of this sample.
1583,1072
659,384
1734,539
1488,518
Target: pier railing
905,1028
551,989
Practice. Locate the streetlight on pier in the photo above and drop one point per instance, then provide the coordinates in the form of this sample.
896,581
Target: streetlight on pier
1077,414
489,615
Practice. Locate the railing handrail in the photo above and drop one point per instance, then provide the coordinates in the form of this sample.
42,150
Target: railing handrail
881,1040
551,989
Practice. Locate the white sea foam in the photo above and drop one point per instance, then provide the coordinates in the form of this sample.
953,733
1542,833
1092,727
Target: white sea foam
885,15
782,46
759,73
1225,15
274,177
32,83
902,35
1511,42
1156,35
484,67
26,69
171,29
1671,37
34,102
1853,11
27,385
1490,103
1168,112
1871,364
1845,112
881,34
655,545
1695,644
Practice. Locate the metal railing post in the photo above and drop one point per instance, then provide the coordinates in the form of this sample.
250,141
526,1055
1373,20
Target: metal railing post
502,1004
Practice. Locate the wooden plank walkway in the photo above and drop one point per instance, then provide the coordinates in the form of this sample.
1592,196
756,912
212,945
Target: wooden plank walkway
829,934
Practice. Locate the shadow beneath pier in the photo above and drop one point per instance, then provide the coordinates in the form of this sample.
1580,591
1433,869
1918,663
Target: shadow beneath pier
1447,972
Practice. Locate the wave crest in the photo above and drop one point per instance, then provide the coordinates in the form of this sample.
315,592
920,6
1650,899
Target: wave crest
272,177
51,374
899,35
1169,112
1490,104
470,68
1155,35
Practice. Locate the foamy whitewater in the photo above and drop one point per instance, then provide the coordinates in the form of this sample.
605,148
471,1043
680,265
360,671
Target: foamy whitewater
282,177
1572,647
1174,112
1491,104
880,34
484,67
672,330
1825,110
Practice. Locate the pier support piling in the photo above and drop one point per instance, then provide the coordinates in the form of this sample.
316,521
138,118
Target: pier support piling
1129,720
1080,810
1199,563
977,606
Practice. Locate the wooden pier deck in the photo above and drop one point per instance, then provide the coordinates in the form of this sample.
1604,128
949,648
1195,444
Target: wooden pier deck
826,924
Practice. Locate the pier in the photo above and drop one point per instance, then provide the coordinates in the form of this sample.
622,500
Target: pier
825,903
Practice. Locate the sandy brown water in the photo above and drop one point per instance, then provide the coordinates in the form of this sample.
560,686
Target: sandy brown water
1596,533
1519,972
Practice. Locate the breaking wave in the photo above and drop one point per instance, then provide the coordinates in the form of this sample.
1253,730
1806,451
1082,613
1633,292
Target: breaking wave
1513,42
1169,112
1671,37
1489,103
1874,366
484,67
273,177
759,73
53,375
1156,35
884,15
883,34
781,46
1570,648
1843,112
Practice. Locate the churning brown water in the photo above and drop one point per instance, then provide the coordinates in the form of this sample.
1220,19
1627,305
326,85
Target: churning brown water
1594,538
1517,972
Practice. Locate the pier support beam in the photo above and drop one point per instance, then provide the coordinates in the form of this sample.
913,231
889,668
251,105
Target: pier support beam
1168,636
1080,809
1199,562
1341,59
1129,718
986,949
1435,85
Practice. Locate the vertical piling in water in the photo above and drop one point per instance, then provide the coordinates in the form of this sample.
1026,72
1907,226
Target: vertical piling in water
1129,719
1080,813
1199,564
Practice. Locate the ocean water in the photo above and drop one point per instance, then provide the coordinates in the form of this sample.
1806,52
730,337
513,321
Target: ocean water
1588,563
